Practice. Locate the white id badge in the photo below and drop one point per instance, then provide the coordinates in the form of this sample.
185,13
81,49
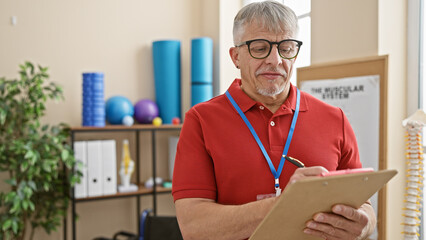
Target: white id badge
277,192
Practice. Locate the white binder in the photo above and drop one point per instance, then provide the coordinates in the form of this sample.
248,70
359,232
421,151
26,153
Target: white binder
94,168
173,141
109,167
80,154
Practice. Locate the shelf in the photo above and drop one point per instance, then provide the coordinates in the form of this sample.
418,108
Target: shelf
141,191
136,127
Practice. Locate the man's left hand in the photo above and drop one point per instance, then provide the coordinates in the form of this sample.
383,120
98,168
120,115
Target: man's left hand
343,223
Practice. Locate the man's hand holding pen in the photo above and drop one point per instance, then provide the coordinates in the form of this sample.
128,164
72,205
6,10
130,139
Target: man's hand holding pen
344,222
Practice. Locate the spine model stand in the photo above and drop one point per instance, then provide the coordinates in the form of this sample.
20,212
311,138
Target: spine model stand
126,169
414,178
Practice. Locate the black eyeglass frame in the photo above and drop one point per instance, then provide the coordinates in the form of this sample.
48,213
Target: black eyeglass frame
299,44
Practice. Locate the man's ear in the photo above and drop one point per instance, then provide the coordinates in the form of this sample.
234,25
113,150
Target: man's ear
233,52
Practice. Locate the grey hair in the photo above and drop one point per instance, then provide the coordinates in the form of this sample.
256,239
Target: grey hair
271,15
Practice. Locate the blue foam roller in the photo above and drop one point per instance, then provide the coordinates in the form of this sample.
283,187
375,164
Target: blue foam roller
201,93
93,96
93,101
99,121
93,75
94,124
93,111
93,86
93,119
166,57
90,93
92,108
202,60
90,82
86,76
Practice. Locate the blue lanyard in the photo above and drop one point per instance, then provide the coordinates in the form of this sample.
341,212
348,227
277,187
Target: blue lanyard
287,144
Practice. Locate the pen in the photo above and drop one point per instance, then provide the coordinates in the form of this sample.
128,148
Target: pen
296,162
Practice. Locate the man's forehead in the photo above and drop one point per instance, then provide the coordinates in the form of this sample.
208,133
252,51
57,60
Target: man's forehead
259,29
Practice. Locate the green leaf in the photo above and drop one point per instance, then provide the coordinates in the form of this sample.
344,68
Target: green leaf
7,224
10,197
3,115
28,192
25,205
31,66
46,186
32,207
24,166
16,206
65,154
32,185
29,154
46,167
15,227
43,69
11,181
55,130
33,160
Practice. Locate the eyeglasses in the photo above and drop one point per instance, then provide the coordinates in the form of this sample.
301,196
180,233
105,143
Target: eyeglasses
261,48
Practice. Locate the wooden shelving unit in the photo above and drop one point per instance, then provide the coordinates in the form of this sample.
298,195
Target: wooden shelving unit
142,191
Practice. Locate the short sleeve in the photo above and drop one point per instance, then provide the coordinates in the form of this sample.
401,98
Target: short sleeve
349,149
193,175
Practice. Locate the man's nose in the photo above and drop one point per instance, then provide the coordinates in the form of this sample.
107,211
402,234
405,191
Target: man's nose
274,57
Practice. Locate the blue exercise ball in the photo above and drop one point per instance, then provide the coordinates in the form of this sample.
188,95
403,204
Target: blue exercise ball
116,108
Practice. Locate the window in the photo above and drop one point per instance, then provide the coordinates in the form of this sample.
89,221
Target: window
302,8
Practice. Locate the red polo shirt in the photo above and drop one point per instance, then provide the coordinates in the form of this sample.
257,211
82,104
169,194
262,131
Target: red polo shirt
218,158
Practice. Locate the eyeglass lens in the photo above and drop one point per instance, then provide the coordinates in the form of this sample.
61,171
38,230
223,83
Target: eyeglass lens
262,48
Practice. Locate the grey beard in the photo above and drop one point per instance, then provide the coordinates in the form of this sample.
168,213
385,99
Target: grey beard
269,92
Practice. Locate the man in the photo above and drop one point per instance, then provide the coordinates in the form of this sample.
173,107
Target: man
228,164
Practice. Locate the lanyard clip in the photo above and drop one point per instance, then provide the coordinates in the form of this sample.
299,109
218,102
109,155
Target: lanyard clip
277,187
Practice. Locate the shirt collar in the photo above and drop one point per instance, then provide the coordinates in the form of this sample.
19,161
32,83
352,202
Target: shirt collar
245,102
292,99
240,97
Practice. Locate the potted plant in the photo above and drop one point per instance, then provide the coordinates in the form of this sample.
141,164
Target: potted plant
35,157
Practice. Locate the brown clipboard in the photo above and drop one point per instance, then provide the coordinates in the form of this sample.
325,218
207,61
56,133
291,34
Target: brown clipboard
302,199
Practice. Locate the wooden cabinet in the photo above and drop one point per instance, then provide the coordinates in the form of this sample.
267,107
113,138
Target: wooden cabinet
141,136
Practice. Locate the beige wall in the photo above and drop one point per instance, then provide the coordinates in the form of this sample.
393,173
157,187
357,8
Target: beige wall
228,72
343,30
392,40
115,37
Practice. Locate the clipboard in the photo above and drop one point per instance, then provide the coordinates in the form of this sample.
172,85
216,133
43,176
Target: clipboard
304,198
